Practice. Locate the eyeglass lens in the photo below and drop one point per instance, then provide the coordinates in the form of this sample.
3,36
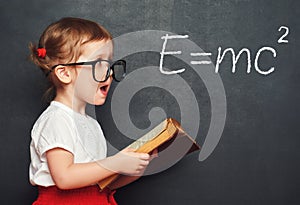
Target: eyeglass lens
119,70
101,69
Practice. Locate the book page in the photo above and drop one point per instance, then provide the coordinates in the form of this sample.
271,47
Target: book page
150,135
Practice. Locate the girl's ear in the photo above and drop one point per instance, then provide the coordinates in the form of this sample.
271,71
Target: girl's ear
64,74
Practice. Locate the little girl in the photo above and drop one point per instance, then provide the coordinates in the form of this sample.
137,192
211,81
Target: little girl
68,148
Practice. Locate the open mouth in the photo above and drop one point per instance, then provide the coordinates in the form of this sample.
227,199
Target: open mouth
104,89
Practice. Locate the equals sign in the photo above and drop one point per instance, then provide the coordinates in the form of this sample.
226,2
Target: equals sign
200,62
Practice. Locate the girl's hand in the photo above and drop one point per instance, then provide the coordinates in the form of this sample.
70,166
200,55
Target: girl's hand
127,162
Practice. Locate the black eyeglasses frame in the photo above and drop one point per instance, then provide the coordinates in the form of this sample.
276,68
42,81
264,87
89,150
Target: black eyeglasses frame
93,63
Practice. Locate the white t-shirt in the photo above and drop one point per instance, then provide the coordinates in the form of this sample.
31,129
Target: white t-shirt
61,127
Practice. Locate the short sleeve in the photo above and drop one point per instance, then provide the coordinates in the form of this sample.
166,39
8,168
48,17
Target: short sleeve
57,132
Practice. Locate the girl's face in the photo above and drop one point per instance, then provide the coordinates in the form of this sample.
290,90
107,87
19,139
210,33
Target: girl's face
86,89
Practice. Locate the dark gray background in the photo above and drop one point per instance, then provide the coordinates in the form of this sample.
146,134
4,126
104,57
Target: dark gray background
257,158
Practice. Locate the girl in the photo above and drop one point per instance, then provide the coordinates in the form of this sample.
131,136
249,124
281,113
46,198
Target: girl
68,149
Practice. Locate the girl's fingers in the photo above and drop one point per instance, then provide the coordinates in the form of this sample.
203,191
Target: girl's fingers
144,156
144,163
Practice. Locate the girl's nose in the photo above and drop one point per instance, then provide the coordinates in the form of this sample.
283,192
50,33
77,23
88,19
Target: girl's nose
111,72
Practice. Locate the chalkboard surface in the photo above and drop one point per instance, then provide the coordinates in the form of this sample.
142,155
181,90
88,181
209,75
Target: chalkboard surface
242,109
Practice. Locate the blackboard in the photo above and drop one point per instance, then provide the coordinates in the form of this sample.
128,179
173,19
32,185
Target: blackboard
250,117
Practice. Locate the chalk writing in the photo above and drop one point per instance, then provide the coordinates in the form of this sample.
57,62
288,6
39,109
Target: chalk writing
220,56
163,52
281,39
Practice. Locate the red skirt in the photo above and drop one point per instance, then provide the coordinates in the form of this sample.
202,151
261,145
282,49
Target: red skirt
86,195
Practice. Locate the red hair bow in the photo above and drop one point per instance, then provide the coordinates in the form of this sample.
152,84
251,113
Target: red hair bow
41,52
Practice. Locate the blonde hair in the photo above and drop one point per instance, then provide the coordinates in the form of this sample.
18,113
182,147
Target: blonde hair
63,40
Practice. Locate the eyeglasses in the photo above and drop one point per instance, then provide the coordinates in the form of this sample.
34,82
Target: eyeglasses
102,68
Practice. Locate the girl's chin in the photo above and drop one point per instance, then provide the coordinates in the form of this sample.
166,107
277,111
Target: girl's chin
99,101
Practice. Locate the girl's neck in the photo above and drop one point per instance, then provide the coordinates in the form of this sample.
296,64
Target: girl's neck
70,101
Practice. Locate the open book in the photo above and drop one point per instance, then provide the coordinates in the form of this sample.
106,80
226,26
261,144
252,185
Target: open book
168,137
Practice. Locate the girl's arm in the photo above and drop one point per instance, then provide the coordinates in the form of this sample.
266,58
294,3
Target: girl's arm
69,175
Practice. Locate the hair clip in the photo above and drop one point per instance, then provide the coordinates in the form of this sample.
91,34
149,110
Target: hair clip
41,52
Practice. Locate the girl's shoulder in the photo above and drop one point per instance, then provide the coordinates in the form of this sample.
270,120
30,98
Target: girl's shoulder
53,110
55,113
